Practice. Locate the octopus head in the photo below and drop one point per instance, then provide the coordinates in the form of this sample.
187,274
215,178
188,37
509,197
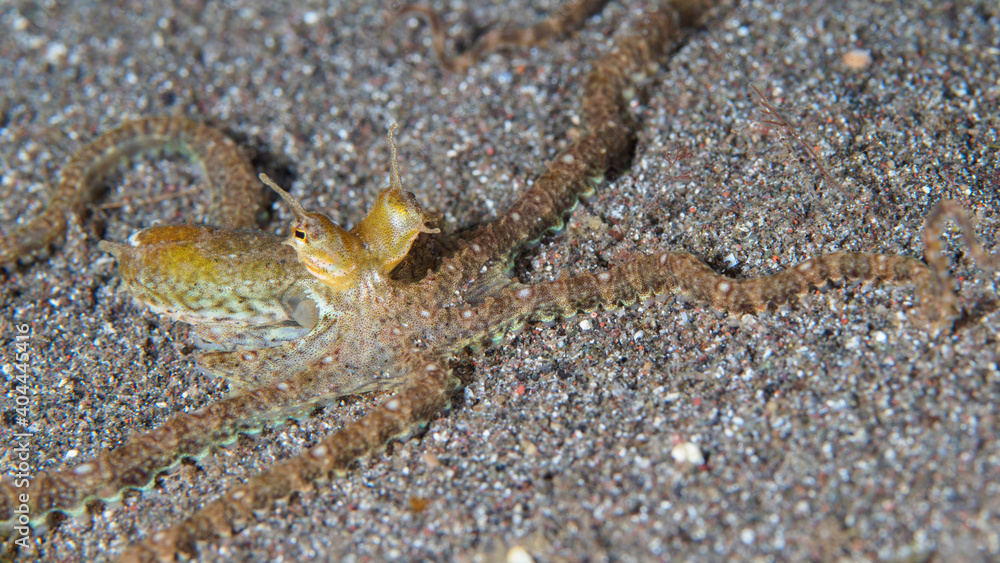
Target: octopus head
330,253
394,221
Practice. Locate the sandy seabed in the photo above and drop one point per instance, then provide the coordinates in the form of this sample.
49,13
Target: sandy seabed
839,427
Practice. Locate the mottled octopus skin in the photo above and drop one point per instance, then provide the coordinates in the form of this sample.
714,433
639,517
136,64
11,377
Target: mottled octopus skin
285,305
317,315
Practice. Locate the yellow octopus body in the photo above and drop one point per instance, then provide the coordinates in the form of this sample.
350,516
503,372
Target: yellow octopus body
269,306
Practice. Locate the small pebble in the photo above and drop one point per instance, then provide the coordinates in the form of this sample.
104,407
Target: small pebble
857,59
686,452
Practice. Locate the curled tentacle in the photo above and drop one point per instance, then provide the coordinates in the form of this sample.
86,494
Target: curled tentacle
235,197
681,272
568,18
605,144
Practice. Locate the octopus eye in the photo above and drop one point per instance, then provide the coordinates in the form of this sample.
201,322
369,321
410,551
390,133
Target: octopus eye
300,234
